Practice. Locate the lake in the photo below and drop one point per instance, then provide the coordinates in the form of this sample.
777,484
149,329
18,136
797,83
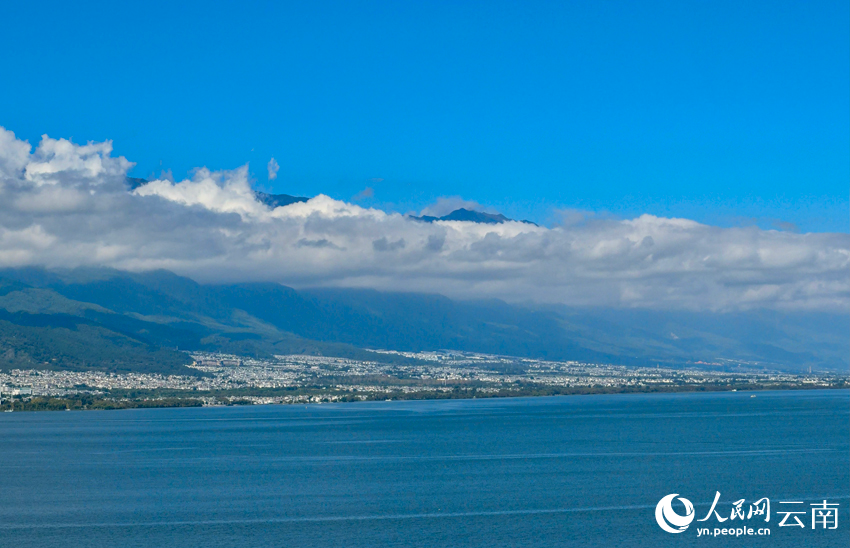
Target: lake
531,472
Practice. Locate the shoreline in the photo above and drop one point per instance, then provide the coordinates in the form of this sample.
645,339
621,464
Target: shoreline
88,402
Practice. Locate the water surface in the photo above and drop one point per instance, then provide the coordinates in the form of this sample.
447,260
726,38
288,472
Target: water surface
530,472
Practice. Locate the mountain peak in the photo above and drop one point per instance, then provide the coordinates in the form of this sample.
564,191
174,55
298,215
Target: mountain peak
278,200
271,200
469,215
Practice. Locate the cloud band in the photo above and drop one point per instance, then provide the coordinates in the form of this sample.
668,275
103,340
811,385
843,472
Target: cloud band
67,205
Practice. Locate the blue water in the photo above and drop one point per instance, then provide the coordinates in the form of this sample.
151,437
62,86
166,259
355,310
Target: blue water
562,471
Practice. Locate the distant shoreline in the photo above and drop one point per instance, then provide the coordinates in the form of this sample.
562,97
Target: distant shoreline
87,402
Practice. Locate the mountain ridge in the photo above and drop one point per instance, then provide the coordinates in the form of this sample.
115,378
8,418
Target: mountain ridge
283,200
159,311
469,215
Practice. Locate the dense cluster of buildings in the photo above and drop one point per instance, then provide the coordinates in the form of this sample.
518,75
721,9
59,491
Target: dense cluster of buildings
332,379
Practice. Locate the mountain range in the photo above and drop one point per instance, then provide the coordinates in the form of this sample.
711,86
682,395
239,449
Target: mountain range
282,200
122,321
468,215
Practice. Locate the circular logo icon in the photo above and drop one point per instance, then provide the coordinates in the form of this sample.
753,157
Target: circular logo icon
668,519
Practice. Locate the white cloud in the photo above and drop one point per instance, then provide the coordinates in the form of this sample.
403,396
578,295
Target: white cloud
222,191
58,160
67,205
273,169
14,154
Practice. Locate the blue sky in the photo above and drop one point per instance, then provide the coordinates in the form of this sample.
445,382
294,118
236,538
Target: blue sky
725,112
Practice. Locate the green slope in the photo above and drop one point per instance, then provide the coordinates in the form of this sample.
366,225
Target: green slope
102,318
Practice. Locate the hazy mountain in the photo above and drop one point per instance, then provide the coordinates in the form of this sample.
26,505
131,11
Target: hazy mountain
470,215
107,319
135,182
279,200
271,200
